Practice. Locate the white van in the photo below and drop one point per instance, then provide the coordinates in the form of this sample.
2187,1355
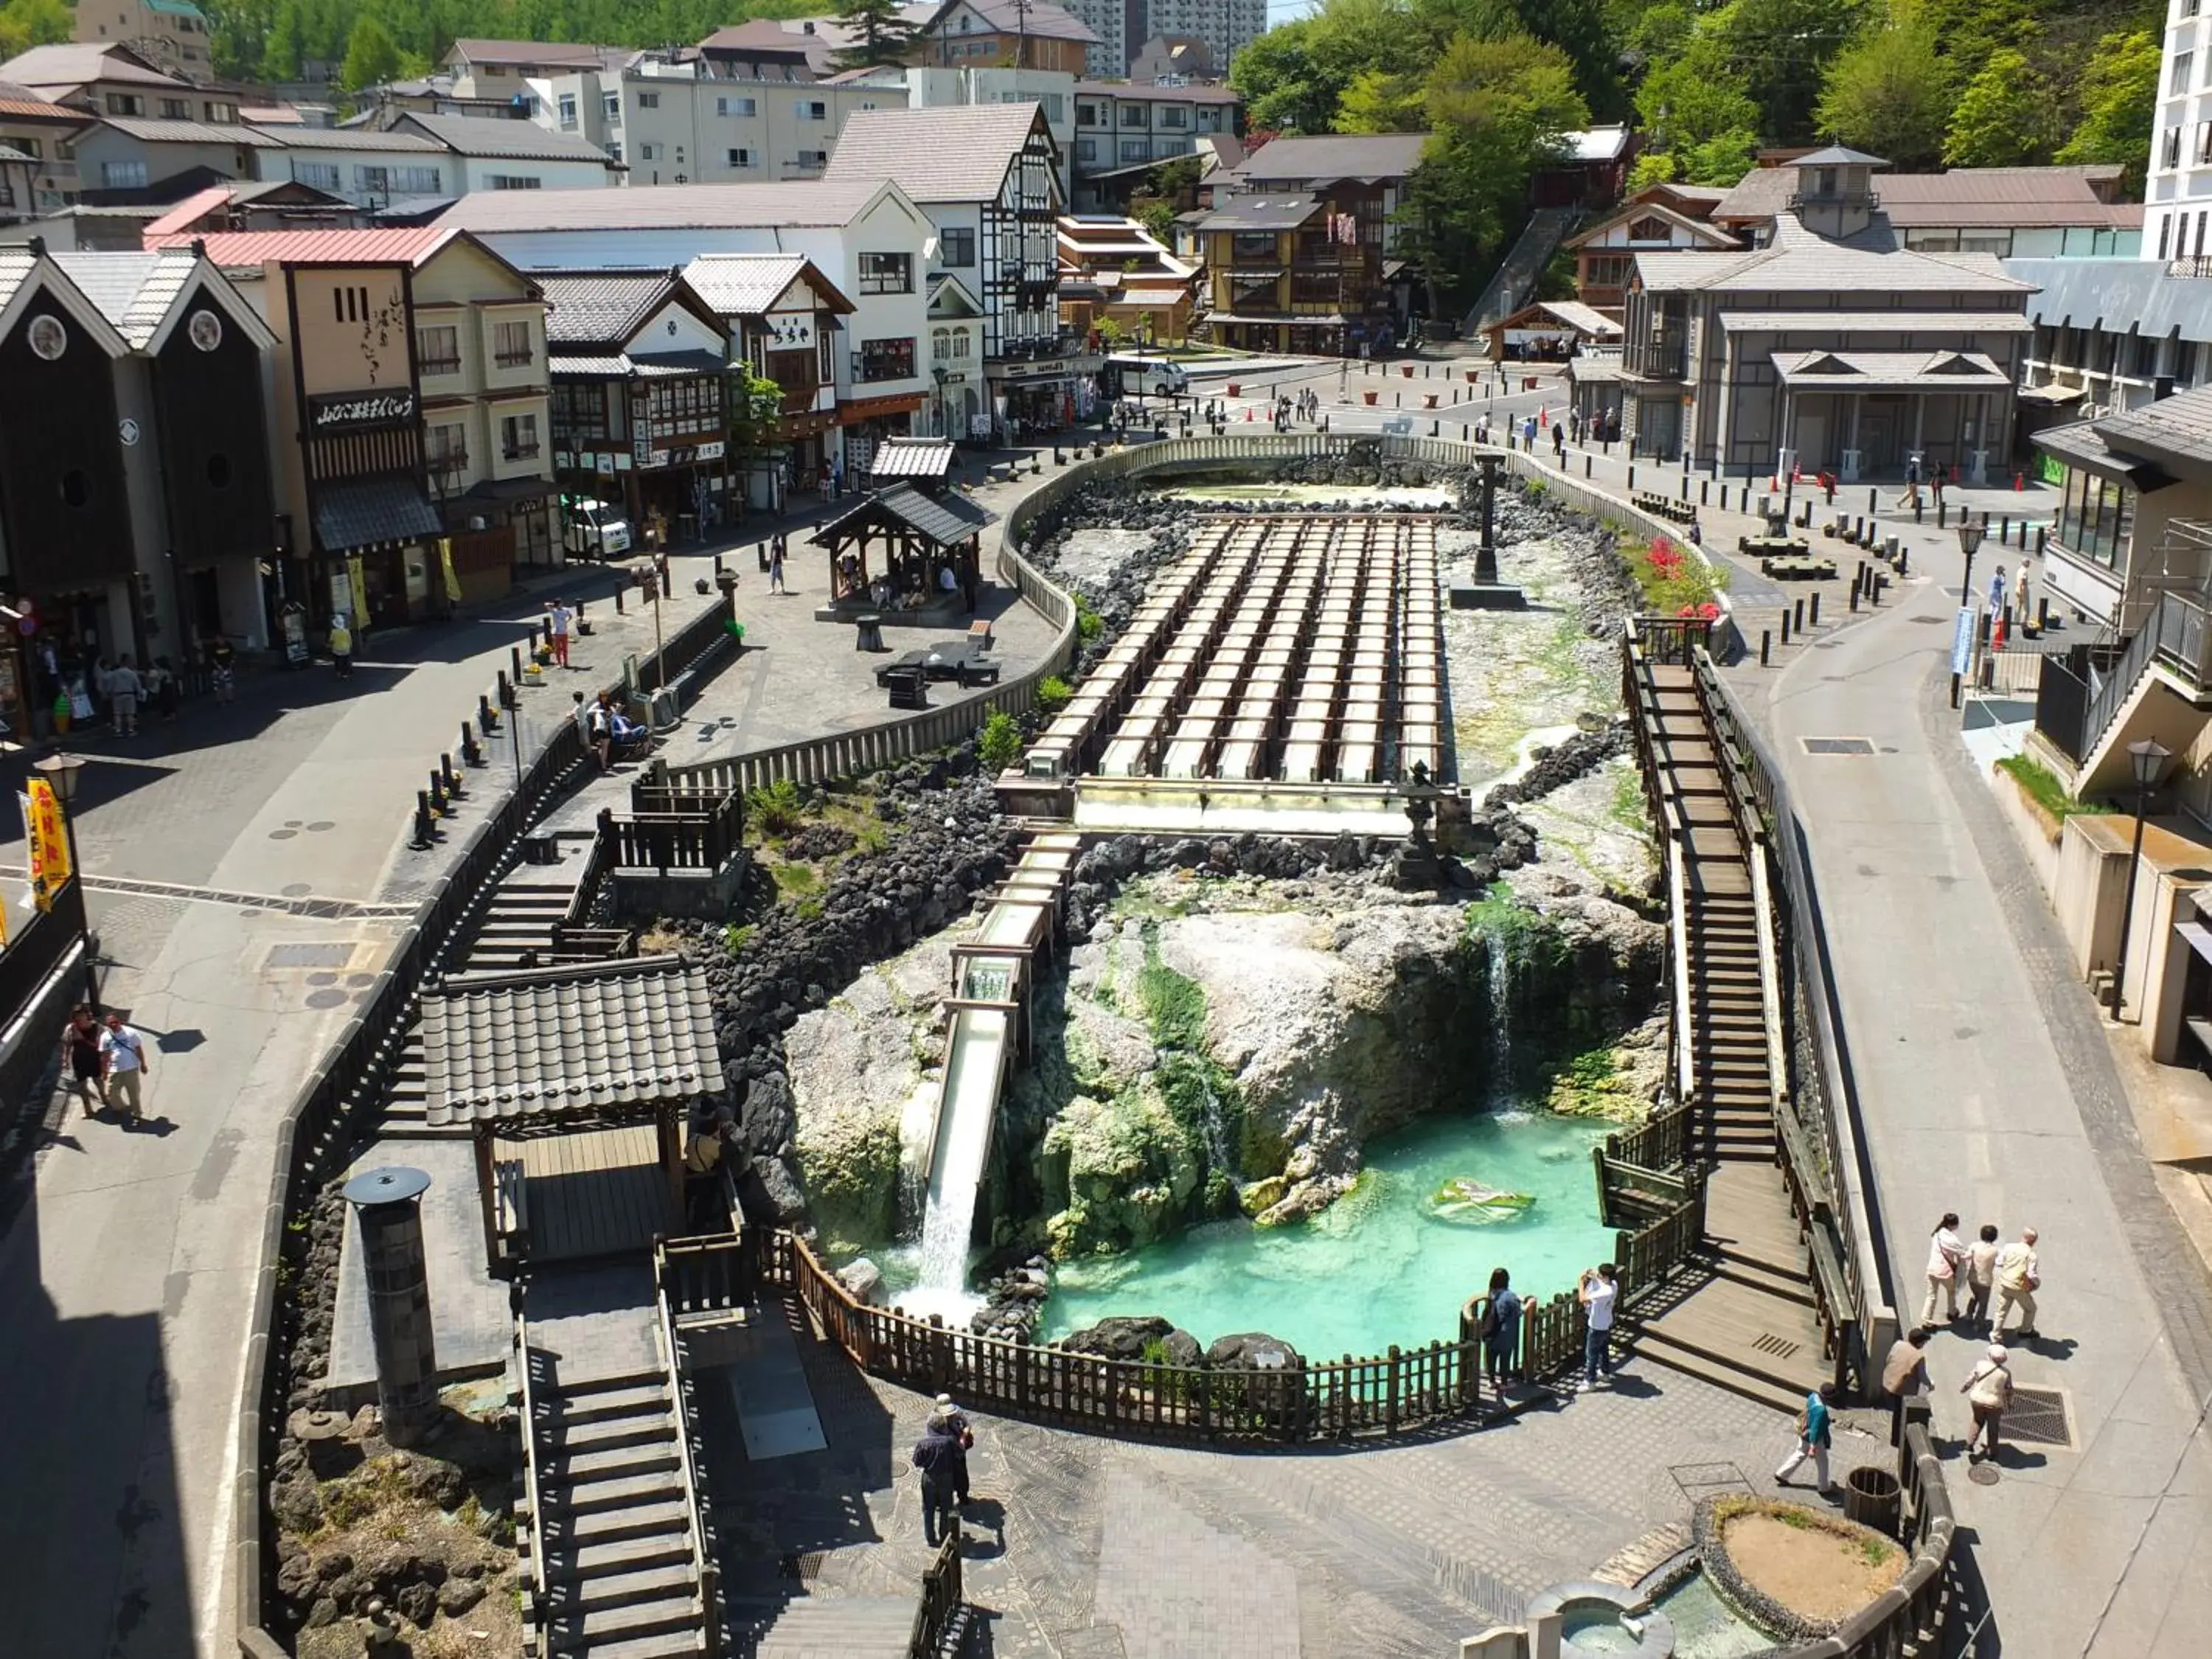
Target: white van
596,529
1137,375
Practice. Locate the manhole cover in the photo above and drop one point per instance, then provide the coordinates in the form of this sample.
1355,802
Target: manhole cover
1982,1475
2039,1416
1838,745
308,955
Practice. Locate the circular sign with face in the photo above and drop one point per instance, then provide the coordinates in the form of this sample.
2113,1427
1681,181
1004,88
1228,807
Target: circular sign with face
48,339
204,330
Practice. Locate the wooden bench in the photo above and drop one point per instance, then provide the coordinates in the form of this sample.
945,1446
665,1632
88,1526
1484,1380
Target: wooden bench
511,1204
979,634
1666,507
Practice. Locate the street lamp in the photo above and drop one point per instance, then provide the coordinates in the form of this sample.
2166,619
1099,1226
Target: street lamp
2147,757
1970,543
60,770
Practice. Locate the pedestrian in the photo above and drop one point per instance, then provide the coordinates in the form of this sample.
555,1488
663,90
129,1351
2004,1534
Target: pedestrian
1815,1432
123,1065
600,732
1697,534
124,691
1998,591
1981,1270
703,1162
963,1430
1501,1329
1946,1249
1988,1388
775,566
2019,596
1935,483
939,1457
2018,1276
1597,1292
558,620
1558,443
222,668
342,646
1904,1372
80,1062
168,690
1528,433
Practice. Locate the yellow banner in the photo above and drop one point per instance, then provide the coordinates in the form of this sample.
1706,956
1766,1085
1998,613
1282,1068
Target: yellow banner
50,860
446,564
360,593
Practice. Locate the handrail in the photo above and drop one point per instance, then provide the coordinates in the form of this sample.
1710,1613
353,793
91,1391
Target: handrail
942,1594
1678,904
1770,978
702,1559
538,1593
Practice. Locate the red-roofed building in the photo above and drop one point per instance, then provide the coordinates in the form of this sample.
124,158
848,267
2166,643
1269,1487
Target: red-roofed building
412,405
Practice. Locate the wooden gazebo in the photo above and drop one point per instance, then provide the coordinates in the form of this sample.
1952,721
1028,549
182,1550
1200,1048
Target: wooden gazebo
575,1083
914,537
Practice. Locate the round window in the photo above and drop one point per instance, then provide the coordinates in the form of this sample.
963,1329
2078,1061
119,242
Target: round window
48,339
204,330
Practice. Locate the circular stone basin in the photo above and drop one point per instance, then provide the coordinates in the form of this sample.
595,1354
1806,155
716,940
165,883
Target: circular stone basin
1597,1619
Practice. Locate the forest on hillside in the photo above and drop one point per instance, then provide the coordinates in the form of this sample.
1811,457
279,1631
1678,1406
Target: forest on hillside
1924,83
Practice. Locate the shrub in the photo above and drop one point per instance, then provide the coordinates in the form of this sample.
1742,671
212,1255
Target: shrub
1089,624
2042,785
775,807
1053,693
1001,745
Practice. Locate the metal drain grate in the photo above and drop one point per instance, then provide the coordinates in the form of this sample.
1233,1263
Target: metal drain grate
1838,745
806,1567
309,955
2039,1416
1780,1348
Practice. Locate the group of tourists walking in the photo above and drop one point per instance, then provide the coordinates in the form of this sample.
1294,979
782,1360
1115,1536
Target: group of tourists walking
103,1061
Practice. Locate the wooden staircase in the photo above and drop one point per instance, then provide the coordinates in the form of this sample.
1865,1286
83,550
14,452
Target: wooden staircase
520,920
1741,1314
612,1525
834,1626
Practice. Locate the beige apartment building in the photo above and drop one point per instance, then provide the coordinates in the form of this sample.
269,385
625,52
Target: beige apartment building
173,34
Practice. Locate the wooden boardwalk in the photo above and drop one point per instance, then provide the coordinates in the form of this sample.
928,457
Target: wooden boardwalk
593,1192
1741,1314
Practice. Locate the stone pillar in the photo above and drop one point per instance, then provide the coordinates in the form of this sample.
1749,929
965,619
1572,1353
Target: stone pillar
1485,554
386,1206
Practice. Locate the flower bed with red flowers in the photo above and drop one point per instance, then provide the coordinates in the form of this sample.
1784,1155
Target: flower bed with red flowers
1674,580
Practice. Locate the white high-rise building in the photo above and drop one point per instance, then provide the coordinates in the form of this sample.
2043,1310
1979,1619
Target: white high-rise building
1227,27
1108,59
2178,188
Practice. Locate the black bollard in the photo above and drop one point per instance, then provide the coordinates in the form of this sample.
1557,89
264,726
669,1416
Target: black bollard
438,803
618,602
1703,487
506,695
1766,647
2042,615
471,751
1797,614
717,564
1854,598
486,716
1586,463
1904,558
2042,531
1785,625
1631,475
452,779
514,660
1815,613
1873,506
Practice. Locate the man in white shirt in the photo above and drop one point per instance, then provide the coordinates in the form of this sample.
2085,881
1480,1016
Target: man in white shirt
2019,1275
558,620
123,1053
1597,1291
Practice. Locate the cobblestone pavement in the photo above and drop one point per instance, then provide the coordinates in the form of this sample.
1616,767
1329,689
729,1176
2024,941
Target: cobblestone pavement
1082,1545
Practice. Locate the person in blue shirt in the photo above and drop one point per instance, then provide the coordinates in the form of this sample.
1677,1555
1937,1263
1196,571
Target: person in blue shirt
1501,1329
944,1465
1815,1432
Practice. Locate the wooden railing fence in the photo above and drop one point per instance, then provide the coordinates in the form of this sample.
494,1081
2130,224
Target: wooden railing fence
1906,1619
707,1602
537,1613
941,1598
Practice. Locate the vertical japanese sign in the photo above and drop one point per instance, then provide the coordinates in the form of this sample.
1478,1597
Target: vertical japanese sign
49,840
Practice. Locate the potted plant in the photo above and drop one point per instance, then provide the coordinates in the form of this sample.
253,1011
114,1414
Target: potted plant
1406,369
1368,398
1428,400
1234,388
1473,375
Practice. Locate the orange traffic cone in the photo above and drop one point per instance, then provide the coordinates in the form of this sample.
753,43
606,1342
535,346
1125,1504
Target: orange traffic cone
1248,412
1543,419
2019,481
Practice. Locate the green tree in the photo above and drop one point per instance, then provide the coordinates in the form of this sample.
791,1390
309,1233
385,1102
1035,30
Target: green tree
28,23
371,56
755,408
2003,117
881,33
1379,101
2119,96
1889,92
280,60
1778,51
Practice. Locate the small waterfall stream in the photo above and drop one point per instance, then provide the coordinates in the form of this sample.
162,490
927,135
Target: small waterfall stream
1496,943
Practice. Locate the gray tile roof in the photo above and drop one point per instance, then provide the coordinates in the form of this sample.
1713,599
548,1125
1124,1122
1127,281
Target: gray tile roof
500,1047
621,366
1261,213
945,520
1888,370
743,284
786,204
1334,155
911,457
501,140
1876,322
2177,428
2118,293
191,132
1838,155
2081,445
372,513
601,309
951,153
1807,264
72,63
293,138
134,291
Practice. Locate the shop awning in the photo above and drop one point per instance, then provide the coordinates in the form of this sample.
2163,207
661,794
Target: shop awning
358,513
854,411
501,491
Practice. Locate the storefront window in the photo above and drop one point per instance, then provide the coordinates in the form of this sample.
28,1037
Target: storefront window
2096,517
